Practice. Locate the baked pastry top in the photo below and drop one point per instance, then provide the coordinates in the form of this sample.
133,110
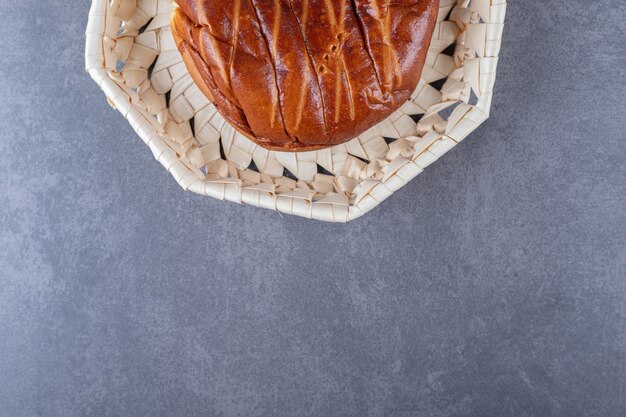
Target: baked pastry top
299,75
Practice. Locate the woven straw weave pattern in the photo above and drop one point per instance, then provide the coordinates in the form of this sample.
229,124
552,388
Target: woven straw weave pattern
131,54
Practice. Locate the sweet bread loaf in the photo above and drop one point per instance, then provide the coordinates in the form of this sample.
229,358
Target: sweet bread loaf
298,75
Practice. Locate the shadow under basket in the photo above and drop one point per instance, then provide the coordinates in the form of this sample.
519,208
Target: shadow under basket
131,54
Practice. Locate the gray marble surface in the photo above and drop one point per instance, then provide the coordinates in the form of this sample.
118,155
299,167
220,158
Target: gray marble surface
492,285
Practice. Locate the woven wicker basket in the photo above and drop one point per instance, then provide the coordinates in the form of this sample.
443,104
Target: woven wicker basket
131,54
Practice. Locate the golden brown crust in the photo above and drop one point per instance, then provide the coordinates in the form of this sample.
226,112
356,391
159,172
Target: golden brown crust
297,75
